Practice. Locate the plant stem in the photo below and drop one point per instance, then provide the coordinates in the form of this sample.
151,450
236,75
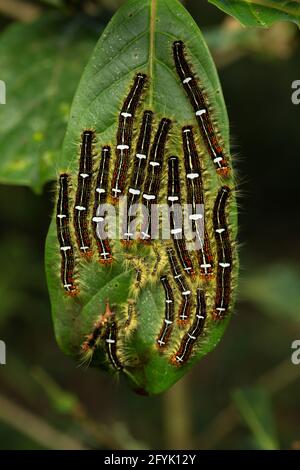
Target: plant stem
177,417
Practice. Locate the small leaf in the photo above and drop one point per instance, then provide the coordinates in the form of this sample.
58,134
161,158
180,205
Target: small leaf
261,12
254,406
41,64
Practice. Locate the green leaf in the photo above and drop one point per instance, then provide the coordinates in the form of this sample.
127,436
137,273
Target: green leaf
138,39
260,12
254,406
41,64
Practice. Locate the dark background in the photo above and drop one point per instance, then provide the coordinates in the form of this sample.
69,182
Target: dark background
53,396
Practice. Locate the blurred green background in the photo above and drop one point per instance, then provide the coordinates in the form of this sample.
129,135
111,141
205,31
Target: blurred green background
244,395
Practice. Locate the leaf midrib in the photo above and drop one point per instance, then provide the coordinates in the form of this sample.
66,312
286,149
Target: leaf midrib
153,8
151,59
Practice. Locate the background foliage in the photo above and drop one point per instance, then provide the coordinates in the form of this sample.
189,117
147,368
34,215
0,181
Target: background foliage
246,393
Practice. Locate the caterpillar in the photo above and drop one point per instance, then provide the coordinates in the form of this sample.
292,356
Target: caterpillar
130,322
159,262
186,347
185,307
224,254
103,245
201,109
195,198
174,195
154,172
137,178
140,269
166,329
124,136
92,340
111,346
83,193
64,237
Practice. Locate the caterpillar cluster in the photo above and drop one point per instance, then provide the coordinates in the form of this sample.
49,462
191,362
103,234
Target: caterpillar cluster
146,175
